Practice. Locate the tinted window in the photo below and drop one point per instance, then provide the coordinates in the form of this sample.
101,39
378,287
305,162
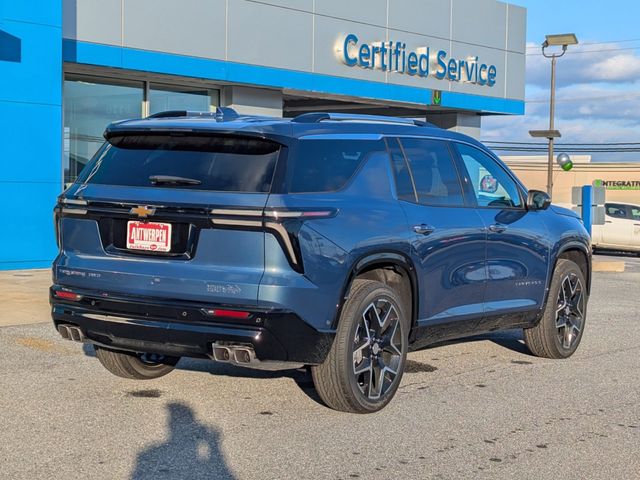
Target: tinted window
404,184
491,184
615,210
228,164
327,165
434,173
635,213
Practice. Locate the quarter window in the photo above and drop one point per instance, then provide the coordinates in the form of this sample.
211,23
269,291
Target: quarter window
491,184
327,165
635,213
434,174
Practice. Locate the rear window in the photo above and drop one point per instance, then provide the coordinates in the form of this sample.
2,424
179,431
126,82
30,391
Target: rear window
327,165
226,164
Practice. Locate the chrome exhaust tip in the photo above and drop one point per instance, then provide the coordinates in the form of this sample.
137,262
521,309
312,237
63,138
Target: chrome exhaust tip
63,330
221,354
71,332
243,356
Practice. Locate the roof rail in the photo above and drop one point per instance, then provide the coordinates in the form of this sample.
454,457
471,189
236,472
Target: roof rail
317,117
221,113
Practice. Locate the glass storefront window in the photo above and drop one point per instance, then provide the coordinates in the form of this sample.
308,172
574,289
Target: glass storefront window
90,104
168,97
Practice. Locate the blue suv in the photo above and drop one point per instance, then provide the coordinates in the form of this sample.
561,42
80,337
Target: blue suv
337,242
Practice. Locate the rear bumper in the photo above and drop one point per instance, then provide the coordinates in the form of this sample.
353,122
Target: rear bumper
184,329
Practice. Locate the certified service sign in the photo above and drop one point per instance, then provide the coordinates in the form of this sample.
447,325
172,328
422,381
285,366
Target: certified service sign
393,56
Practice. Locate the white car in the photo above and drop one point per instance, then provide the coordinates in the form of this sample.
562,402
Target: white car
621,230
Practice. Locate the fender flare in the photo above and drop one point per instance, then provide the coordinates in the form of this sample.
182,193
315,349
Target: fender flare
568,245
381,258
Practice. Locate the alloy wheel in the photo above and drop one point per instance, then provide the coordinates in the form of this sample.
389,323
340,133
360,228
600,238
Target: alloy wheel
377,349
570,310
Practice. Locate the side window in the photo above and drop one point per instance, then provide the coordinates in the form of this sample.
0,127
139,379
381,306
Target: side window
491,184
404,183
635,213
616,211
434,173
327,165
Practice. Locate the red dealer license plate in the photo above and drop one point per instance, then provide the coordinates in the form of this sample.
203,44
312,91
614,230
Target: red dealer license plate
153,237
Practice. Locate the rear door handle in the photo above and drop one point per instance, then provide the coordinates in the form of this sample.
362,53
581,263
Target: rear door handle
423,229
497,228
608,221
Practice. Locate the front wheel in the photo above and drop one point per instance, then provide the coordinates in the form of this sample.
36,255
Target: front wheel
559,332
137,366
364,367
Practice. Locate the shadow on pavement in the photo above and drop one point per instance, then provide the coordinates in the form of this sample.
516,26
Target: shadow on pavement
191,451
301,376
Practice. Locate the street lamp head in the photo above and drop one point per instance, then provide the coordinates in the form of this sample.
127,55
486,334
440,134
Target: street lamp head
562,40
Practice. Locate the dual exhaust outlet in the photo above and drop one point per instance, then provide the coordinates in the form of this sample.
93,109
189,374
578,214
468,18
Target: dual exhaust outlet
71,332
238,354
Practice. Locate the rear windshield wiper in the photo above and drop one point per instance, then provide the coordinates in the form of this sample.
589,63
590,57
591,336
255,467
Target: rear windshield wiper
171,180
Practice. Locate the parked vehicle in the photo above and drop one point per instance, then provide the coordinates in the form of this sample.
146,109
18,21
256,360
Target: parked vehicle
621,230
338,242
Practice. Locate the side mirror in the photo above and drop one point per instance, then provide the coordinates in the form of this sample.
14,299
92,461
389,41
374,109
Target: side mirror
538,200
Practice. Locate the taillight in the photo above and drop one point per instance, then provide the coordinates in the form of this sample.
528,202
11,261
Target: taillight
67,295
285,214
284,223
217,312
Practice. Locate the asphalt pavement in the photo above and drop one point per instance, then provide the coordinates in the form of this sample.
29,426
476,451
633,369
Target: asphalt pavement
479,408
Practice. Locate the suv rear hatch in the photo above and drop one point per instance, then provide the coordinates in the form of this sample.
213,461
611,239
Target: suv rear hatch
140,219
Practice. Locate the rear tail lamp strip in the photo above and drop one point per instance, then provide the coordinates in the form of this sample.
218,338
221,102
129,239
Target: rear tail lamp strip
274,221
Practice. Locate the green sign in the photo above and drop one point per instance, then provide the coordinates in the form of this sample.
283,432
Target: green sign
617,184
436,97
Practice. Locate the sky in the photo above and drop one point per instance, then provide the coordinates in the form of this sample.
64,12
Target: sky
598,81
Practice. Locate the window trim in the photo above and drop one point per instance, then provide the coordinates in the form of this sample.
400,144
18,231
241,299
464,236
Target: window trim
393,170
467,179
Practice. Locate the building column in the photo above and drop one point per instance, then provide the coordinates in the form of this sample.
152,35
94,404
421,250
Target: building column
30,129
252,101
466,123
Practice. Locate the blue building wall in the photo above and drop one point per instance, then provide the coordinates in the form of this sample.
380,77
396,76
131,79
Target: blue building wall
30,129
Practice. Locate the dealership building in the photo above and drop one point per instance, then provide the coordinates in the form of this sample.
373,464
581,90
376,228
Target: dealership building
70,67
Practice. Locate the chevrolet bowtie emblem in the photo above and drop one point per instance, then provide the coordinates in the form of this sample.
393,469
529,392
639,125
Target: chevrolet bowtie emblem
142,211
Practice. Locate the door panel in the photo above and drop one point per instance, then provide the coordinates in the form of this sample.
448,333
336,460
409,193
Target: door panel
517,239
450,262
447,237
618,226
517,260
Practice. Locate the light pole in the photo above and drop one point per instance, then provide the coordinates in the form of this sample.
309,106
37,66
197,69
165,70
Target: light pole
563,40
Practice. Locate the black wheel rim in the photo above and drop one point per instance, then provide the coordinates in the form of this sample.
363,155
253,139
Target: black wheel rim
377,349
570,310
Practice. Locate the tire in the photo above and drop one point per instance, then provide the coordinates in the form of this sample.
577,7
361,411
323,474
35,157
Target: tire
135,366
560,330
343,381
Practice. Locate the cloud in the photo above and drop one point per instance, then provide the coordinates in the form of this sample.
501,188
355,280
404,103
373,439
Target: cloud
605,63
597,100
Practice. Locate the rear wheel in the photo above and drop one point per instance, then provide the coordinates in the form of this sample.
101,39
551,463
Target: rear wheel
138,366
364,367
559,332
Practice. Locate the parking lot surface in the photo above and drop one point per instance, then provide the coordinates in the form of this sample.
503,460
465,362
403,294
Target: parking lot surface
479,408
